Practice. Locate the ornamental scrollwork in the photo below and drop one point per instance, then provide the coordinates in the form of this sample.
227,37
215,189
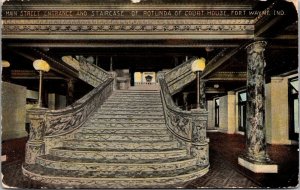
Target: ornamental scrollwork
127,28
91,73
58,122
189,127
180,76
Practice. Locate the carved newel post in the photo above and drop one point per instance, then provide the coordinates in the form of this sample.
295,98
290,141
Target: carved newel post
255,157
35,145
199,116
199,145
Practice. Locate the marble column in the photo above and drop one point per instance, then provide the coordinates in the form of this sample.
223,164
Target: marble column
70,91
202,101
255,157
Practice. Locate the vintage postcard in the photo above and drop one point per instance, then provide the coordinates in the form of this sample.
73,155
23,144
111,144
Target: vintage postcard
149,94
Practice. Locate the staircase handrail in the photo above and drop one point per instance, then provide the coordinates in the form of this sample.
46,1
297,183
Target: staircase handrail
54,123
189,126
180,76
63,121
91,73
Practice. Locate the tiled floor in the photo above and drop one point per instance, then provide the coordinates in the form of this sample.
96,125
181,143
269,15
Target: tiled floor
224,170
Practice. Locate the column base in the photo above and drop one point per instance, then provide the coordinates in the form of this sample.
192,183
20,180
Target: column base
258,167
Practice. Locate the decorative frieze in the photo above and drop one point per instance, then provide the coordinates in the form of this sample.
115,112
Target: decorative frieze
128,28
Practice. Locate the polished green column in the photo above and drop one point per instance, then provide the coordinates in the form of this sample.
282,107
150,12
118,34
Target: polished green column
255,157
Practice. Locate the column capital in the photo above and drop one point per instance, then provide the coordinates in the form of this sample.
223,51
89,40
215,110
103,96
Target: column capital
256,46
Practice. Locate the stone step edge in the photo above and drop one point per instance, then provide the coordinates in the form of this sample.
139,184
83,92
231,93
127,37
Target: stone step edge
124,113
115,141
115,122
165,162
119,152
135,91
126,128
126,134
124,117
131,108
202,170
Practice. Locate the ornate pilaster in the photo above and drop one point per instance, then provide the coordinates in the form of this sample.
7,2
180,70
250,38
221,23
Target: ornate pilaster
255,157
35,145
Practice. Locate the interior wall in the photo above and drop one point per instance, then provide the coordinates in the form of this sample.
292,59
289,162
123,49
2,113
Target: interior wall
277,123
13,111
210,108
231,105
223,113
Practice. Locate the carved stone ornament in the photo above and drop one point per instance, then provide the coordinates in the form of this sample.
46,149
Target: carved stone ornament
187,126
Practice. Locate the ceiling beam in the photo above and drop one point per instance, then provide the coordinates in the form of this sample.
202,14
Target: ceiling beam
31,74
56,65
228,76
219,60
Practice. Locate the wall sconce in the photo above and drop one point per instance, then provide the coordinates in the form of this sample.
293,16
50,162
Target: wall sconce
198,66
41,66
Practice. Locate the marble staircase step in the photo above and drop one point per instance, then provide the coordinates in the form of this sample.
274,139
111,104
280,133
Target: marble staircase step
106,166
121,145
130,112
136,92
122,130
132,108
130,155
94,179
155,96
125,125
127,120
122,137
133,103
126,116
136,99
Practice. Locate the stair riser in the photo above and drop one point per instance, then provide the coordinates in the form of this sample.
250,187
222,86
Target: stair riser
99,116
145,113
124,131
139,93
131,108
112,168
135,99
119,137
125,125
146,120
114,145
154,182
118,155
133,104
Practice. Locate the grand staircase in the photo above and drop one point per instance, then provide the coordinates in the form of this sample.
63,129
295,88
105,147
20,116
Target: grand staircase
124,144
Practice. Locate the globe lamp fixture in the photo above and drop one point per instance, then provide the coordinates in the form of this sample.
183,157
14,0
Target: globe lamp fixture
198,66
41,66
5,64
